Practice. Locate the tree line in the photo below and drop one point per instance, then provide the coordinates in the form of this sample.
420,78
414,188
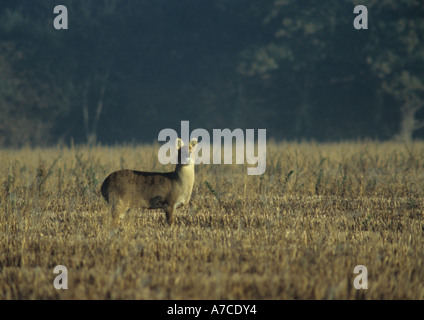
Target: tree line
124,70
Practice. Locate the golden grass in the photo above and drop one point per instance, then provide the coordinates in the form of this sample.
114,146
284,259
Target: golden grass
296,232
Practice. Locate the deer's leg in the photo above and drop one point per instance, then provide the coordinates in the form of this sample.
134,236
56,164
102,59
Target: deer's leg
118,211
169,211
114,214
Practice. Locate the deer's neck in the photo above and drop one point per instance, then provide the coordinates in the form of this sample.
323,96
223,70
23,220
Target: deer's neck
185,173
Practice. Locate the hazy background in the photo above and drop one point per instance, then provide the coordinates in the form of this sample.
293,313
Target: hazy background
126,69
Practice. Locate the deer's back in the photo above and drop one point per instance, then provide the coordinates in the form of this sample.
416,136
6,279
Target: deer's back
147,189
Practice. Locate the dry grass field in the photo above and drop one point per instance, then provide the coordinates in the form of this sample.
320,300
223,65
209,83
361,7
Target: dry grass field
296,232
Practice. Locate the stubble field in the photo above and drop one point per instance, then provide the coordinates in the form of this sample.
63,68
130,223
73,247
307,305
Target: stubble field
296,232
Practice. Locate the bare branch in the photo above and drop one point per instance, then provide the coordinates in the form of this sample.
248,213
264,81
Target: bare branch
417,106
418,125
85,109
346,78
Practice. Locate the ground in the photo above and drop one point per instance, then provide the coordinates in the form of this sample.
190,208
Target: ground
295,232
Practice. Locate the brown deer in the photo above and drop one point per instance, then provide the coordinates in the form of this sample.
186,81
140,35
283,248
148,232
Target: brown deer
127,189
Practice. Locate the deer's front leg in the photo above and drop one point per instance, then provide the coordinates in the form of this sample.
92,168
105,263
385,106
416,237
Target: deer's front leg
169,211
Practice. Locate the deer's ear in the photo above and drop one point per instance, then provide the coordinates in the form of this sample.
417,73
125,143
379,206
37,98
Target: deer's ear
179,143
193,142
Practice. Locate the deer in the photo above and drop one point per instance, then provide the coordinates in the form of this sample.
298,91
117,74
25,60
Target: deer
126,189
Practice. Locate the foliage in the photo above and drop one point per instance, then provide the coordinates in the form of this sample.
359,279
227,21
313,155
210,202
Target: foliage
399,60
125,70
